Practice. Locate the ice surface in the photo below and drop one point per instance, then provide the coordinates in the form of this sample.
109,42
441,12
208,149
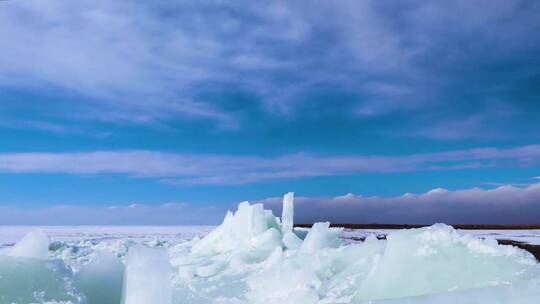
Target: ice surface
101,279
34,245
255,257
27,276
147,278
251,232
524,236
291,240
28,280
523,293
319,237
437,259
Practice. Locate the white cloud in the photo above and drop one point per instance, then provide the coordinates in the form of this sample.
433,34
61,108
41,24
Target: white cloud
147,61
118,54
189,169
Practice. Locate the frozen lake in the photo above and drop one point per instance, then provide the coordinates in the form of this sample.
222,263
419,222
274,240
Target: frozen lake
76,245
255,257
11,234
531,237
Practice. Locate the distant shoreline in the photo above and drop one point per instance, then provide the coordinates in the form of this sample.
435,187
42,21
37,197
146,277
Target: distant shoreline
409,226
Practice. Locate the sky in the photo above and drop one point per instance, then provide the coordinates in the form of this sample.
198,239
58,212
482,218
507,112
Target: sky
172,112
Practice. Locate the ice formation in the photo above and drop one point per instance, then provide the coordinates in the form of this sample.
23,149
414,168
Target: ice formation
34,245
253,258
288,212
256,257
101,279
29,280
147,278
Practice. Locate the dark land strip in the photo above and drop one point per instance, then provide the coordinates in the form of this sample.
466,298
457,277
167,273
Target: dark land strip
407,226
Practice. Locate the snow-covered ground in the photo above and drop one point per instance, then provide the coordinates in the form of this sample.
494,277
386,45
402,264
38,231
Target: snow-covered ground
256,257
9,235
523,236
77,245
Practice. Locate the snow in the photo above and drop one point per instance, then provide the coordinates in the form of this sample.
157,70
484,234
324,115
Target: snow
255,257
12,234
523,236
527,236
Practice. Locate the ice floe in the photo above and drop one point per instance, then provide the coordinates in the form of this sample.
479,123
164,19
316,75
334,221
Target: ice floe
256,257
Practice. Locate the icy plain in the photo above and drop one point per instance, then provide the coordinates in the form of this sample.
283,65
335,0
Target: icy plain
256,257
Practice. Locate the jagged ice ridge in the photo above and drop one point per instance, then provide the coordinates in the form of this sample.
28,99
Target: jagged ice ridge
256,257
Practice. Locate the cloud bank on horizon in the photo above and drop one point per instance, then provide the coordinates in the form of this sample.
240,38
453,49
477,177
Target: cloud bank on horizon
112,102
469,206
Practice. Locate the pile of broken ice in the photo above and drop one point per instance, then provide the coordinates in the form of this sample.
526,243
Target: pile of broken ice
254,257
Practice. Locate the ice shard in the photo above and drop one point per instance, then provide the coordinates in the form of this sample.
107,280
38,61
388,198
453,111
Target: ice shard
147,277
287,216
28,280
438,259
28,276
34,245
101,279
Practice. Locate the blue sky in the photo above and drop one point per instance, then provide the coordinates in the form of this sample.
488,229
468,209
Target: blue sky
201,105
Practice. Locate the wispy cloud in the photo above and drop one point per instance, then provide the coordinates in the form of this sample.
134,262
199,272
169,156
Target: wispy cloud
127,63
186,169
139,214
37,124
153,61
